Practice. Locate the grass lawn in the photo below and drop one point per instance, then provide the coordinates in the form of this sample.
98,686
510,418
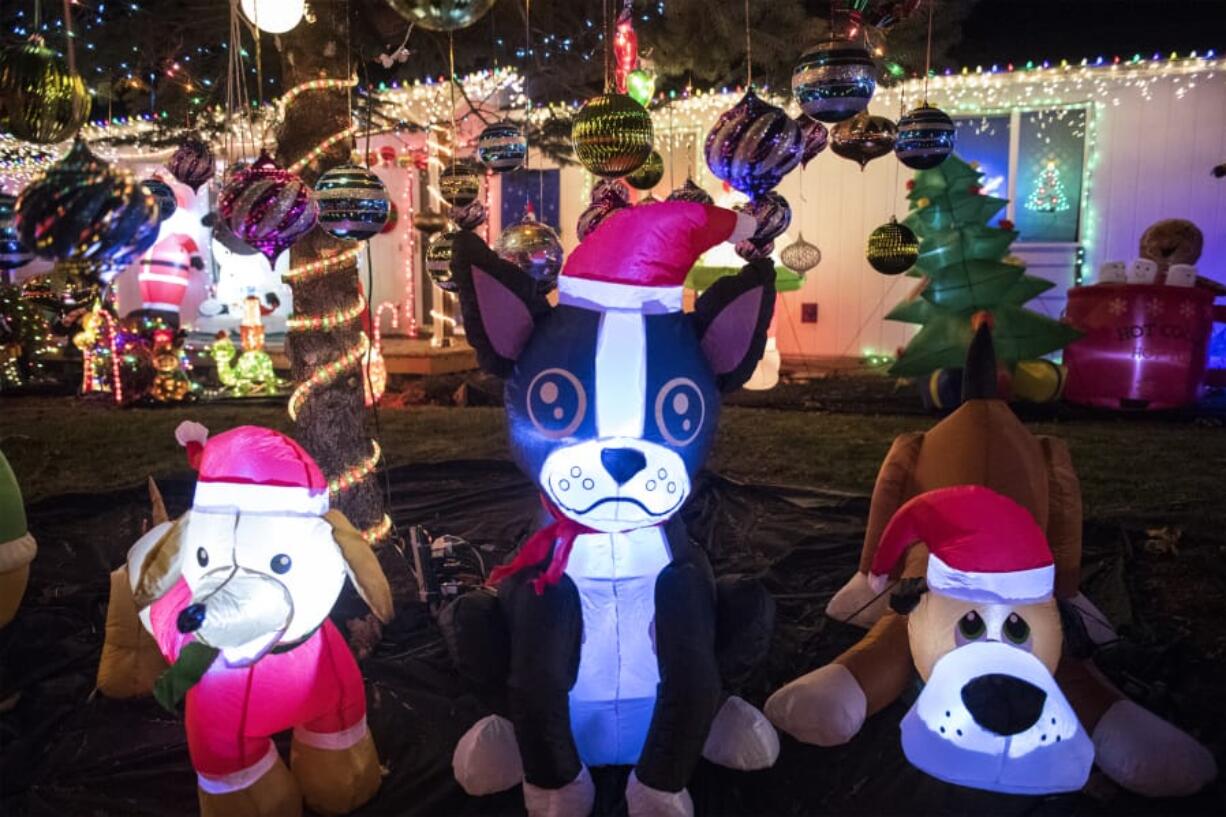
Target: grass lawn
1135,471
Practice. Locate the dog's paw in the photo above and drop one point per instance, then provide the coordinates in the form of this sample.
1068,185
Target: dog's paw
741,737
644,801
857,603
486,760
1149,756
827,707
575,799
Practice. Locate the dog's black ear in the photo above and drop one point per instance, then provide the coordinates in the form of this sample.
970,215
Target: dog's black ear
500,303
1077,641
907,595
731,319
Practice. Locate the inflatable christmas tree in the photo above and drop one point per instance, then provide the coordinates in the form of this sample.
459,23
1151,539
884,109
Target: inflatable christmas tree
965,268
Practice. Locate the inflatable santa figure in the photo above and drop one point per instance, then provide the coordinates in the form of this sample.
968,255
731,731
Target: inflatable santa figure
165,274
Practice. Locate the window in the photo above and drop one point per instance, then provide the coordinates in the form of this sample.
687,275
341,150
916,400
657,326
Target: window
537,188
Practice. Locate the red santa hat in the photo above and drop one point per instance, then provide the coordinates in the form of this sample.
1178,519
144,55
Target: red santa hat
252,470
638,258
983,547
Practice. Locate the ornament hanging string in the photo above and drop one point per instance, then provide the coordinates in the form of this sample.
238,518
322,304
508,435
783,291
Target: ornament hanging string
928,56
72,49
748,51
607,33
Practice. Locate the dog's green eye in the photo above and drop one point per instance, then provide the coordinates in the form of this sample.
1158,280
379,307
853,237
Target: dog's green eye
971,626
1016,629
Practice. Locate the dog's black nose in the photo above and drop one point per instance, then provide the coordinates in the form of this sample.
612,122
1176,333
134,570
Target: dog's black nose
1003,704
190,618
622,463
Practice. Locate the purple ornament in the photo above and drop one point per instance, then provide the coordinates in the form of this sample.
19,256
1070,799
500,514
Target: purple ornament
267,207
753,145
752,252
691,192
815,137
470,217
591,218
611,191
192,162
772,213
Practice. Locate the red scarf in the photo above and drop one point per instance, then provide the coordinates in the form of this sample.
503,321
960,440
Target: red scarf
559,535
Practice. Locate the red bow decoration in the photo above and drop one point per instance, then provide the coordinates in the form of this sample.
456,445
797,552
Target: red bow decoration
561,531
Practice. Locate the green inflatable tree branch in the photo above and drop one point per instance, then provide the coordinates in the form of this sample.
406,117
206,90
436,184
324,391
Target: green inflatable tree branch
965,263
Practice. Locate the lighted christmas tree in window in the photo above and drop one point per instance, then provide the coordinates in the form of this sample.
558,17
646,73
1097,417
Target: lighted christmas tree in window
1048,196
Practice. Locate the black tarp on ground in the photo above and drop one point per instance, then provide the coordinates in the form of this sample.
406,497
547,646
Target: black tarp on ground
69,754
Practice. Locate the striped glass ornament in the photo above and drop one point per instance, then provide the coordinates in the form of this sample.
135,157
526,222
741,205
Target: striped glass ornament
353,203
13,253
834,80
165,196
268,208
926,137
753,145
192,162
502,147
612,135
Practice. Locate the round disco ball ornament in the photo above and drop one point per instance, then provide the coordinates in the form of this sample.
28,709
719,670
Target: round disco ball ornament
165,196
863,138
40,99
773,215
442,15
438,260
470,217
834,80
13,253
353,203
273,16
649,173
460,183
268,207
612,135
753,145
800,256
534,248
691,192
815,136
892,248
502,147
926,137
86,210
192,162
429,222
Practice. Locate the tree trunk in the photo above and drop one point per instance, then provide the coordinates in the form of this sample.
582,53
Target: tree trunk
331,423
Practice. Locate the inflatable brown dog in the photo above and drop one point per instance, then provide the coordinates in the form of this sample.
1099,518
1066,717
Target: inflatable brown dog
983,443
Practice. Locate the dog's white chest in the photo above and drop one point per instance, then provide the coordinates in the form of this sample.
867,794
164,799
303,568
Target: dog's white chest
614,696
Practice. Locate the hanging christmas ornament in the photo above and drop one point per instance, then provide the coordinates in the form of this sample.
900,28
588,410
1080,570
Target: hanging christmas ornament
534,248
393,218
268,207
925,138
13,253
625,48
800,256
145,236
438,260
502,147
834,80
470,217
863,138
691,192
84,209
641,86
753,145
459,183
429,222
773,215
273,16
165,196
612,135
353,203
442,15
815,138
192,162
649,174
750,251
609,196
892,248
40,99
225,237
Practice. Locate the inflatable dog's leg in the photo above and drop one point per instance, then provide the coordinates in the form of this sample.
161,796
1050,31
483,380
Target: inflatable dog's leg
546,633
238,776
689,691
856,602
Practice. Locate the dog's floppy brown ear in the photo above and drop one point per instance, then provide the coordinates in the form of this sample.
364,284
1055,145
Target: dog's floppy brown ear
362,566
157,566
907,595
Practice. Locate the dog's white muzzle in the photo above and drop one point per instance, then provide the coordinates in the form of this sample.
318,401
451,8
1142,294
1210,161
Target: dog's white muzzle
245,613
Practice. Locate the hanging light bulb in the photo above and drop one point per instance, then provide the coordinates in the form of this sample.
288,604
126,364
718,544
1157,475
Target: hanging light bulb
273,16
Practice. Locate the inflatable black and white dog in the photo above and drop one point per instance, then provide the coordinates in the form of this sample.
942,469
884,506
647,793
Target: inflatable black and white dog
604,627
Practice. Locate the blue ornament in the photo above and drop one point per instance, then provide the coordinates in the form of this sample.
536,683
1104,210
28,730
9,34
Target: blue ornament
926,137
753,145
165,196
353,203
502,147
834,80
13,253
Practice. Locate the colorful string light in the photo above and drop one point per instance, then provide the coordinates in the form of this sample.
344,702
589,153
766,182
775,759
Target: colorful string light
327,374
323,266
327,321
